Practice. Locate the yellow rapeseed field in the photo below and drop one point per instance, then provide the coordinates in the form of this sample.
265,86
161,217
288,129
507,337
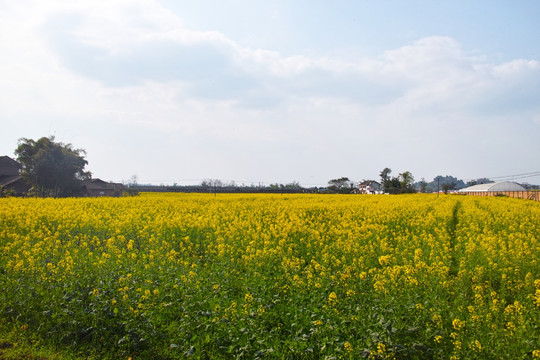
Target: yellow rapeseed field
274,276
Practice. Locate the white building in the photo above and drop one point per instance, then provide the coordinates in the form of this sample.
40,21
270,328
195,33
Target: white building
497,186
369,187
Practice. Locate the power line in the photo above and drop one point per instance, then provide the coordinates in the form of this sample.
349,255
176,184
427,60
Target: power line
536,173
511,177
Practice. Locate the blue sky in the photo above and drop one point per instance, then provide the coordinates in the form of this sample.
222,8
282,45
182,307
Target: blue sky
276,91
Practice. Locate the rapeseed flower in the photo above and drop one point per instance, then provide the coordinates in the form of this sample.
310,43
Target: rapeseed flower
190,258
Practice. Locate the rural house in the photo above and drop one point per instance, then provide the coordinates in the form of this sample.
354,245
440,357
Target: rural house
98,187
10,178
369,187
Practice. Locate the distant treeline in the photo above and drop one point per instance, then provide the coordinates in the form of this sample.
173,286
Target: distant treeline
222,189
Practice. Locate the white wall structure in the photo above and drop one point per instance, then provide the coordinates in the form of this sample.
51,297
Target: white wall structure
497,186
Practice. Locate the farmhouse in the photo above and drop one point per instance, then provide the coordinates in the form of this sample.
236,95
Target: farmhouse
10,178
369,187
8,166
497,186
98,187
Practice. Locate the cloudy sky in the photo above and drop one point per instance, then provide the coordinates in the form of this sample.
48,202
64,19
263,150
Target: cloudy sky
276,90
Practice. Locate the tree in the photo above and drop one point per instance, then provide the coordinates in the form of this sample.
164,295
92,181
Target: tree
407,182
393,185
447,187
423,185
385,178
294,185
52,168
212,183
404,183
133,181
341,185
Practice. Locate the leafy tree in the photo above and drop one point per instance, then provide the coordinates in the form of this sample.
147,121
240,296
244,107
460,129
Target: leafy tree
341,185
294,185
52,168
448,186
393,185
406,182
385,178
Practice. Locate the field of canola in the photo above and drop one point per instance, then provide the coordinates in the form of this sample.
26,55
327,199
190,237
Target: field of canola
165,276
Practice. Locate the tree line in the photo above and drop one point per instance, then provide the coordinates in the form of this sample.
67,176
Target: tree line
404,183
401,184
57,169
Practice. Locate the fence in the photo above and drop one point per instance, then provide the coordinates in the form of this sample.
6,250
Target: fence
531,195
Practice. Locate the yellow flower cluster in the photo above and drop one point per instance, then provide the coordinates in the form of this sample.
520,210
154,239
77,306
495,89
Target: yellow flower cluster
466,266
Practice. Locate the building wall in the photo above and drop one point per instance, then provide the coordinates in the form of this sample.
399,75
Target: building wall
103,192
531,195
9,170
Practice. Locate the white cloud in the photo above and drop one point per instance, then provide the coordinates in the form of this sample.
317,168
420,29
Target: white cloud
135,42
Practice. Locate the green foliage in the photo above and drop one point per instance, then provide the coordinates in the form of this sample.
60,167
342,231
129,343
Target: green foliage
295,185
51,168
130,192
406,180
447,187
340,186
385,178
5,192
402,184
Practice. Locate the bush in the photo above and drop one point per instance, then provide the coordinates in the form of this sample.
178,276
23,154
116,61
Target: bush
130,192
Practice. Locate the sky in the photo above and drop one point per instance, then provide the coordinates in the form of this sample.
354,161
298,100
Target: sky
276,91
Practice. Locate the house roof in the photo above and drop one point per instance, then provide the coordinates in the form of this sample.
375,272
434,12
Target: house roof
369,182
7,161
497,186
6,180
98,184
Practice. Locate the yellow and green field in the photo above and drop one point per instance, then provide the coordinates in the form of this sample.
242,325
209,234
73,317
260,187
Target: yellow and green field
164,276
